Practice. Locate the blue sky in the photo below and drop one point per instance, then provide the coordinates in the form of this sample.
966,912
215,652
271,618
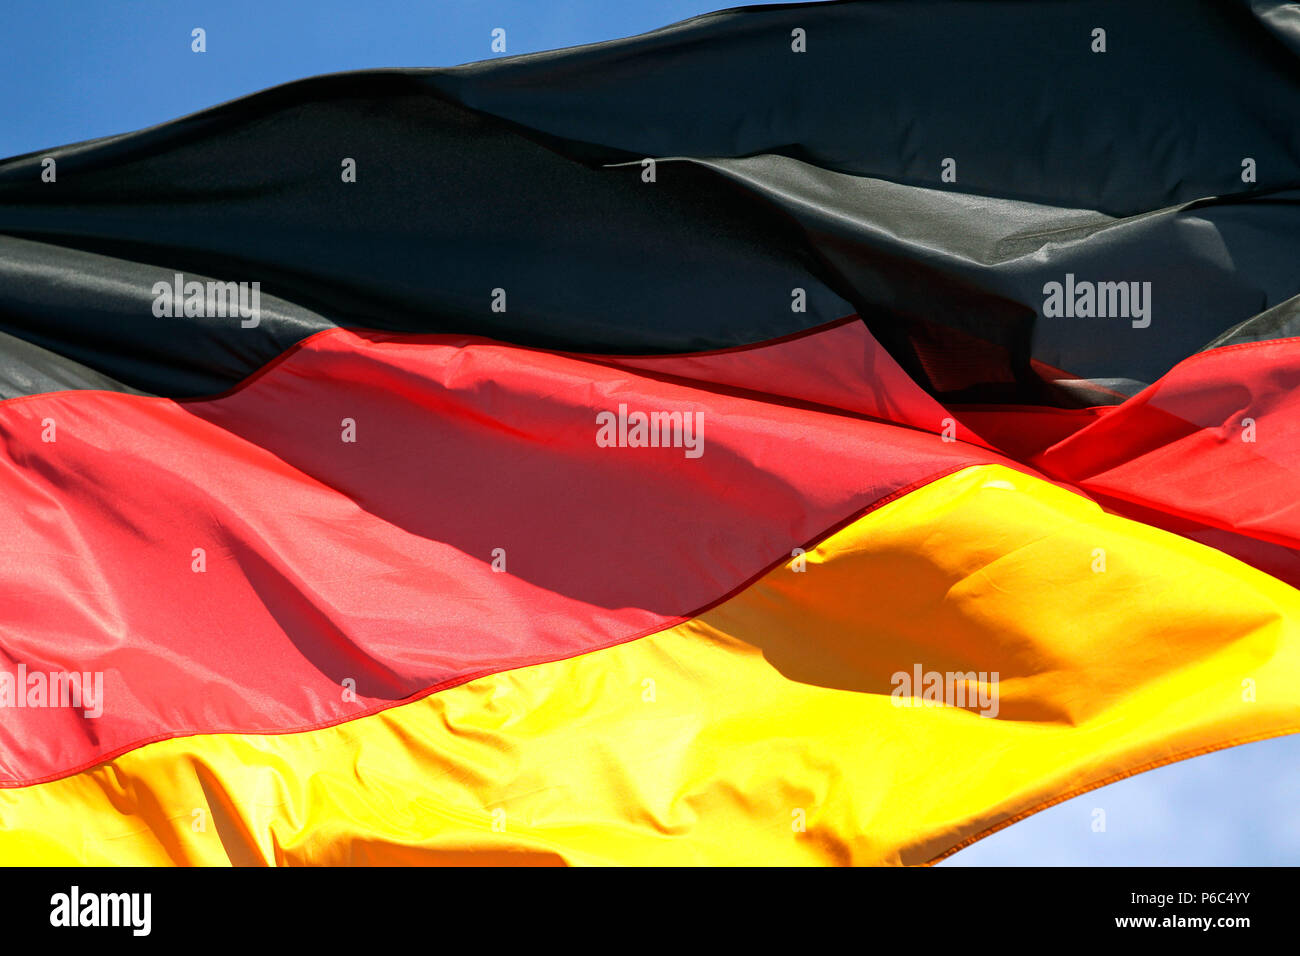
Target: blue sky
77,69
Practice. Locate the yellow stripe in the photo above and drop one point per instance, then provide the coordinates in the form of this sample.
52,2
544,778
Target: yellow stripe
765,730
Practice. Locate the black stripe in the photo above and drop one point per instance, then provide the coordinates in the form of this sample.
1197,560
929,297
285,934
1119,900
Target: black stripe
524,174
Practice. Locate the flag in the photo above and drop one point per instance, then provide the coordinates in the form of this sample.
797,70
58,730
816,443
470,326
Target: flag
807,434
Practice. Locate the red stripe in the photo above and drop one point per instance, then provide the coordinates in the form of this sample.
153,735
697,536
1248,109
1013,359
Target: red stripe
1175,455
370,561
838,366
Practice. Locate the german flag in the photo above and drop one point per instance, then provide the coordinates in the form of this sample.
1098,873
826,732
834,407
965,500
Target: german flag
806,434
